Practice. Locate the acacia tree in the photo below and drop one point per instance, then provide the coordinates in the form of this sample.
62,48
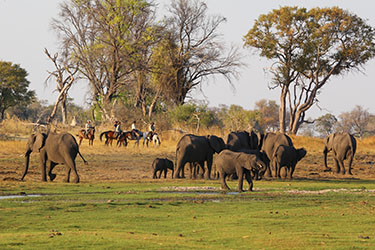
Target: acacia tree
308,48
196,48
13,87
106,38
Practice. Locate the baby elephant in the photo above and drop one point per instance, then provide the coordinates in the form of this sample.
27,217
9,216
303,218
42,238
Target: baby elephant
162,164
287,156
229,162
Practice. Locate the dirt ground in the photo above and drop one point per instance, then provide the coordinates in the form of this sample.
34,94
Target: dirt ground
113,164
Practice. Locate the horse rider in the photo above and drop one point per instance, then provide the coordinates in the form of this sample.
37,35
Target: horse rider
88,127
118,130
151,130
135,131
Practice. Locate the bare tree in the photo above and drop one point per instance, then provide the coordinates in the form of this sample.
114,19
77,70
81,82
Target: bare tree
64,75
355,122
196,50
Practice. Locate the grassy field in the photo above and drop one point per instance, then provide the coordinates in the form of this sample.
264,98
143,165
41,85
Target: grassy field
118,205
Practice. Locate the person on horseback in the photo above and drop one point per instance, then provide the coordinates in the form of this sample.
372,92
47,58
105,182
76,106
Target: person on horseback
118,130
88,126
135,131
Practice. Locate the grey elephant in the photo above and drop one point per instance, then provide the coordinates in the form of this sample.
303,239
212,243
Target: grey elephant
287,156
271,142
162,165
229,162
196,149
53,149
343,146
239,140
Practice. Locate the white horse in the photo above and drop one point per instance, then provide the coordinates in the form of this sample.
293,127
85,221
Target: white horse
154,138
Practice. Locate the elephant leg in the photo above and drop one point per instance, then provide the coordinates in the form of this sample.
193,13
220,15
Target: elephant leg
192,170
67,174
249,179
291,171
154,175
224,185
209,167
201,166
277,168
350,164
43,161
337,165
342,166
70,163
268,170
165,173
160,172
51,166
240,173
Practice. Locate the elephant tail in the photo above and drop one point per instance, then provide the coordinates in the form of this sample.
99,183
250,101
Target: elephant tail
84,161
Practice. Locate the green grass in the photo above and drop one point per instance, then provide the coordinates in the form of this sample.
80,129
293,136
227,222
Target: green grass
148,215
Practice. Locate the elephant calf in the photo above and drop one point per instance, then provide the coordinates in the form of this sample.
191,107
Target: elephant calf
162,165
287,156
229,162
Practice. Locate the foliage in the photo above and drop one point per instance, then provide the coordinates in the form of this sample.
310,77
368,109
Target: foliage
355,122
13,87
237,118
326,124
269,114
309,47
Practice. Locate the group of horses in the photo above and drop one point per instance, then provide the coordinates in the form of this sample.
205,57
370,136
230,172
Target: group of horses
122,138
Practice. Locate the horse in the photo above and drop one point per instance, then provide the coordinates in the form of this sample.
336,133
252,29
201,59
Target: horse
154,137
90,136
122,139
109,137
129,135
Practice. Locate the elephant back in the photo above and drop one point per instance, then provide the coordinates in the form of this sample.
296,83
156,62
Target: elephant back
240,140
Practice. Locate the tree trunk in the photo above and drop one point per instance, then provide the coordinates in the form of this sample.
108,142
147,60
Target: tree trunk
282,112
63,110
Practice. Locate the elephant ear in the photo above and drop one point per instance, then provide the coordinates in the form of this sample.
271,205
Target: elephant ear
216,143
328,142
301,152
40,139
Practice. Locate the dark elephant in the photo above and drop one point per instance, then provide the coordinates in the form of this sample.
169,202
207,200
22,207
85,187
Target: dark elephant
239,140
53,149
343,146
162,165
197,149
271,142
287,156
229,162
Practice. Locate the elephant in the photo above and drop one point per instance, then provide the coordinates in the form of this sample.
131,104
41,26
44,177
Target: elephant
53,148
287,156
230,162
242,140
343,146
162,165
197,149
271,142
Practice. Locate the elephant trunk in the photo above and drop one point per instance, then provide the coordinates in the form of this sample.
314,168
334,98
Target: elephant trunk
325,152
27,161
263,168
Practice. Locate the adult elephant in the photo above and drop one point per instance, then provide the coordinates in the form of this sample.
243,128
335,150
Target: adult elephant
271,142
197,149
239,140
343,146
229,162
53,148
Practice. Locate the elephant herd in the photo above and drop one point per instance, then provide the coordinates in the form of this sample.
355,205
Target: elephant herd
244,154
250,155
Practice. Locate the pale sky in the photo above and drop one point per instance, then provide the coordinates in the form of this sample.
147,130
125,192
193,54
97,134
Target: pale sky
25,32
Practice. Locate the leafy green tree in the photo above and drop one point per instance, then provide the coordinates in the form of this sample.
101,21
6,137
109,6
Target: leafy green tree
13,87
307,48
325,124
237,118
269,114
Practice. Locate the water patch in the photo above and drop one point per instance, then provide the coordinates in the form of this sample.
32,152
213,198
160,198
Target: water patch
19,196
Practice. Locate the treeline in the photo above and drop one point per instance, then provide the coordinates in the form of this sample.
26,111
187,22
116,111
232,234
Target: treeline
198,117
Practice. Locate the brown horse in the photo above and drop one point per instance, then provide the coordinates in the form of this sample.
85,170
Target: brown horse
90,136
129,135
109,137
122,139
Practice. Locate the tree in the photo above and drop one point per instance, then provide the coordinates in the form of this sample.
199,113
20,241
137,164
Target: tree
13,87
269,114
325,124
196,51
64,75
355,121
308,48
107,38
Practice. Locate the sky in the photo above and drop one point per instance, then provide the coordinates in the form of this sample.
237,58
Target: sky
25,32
